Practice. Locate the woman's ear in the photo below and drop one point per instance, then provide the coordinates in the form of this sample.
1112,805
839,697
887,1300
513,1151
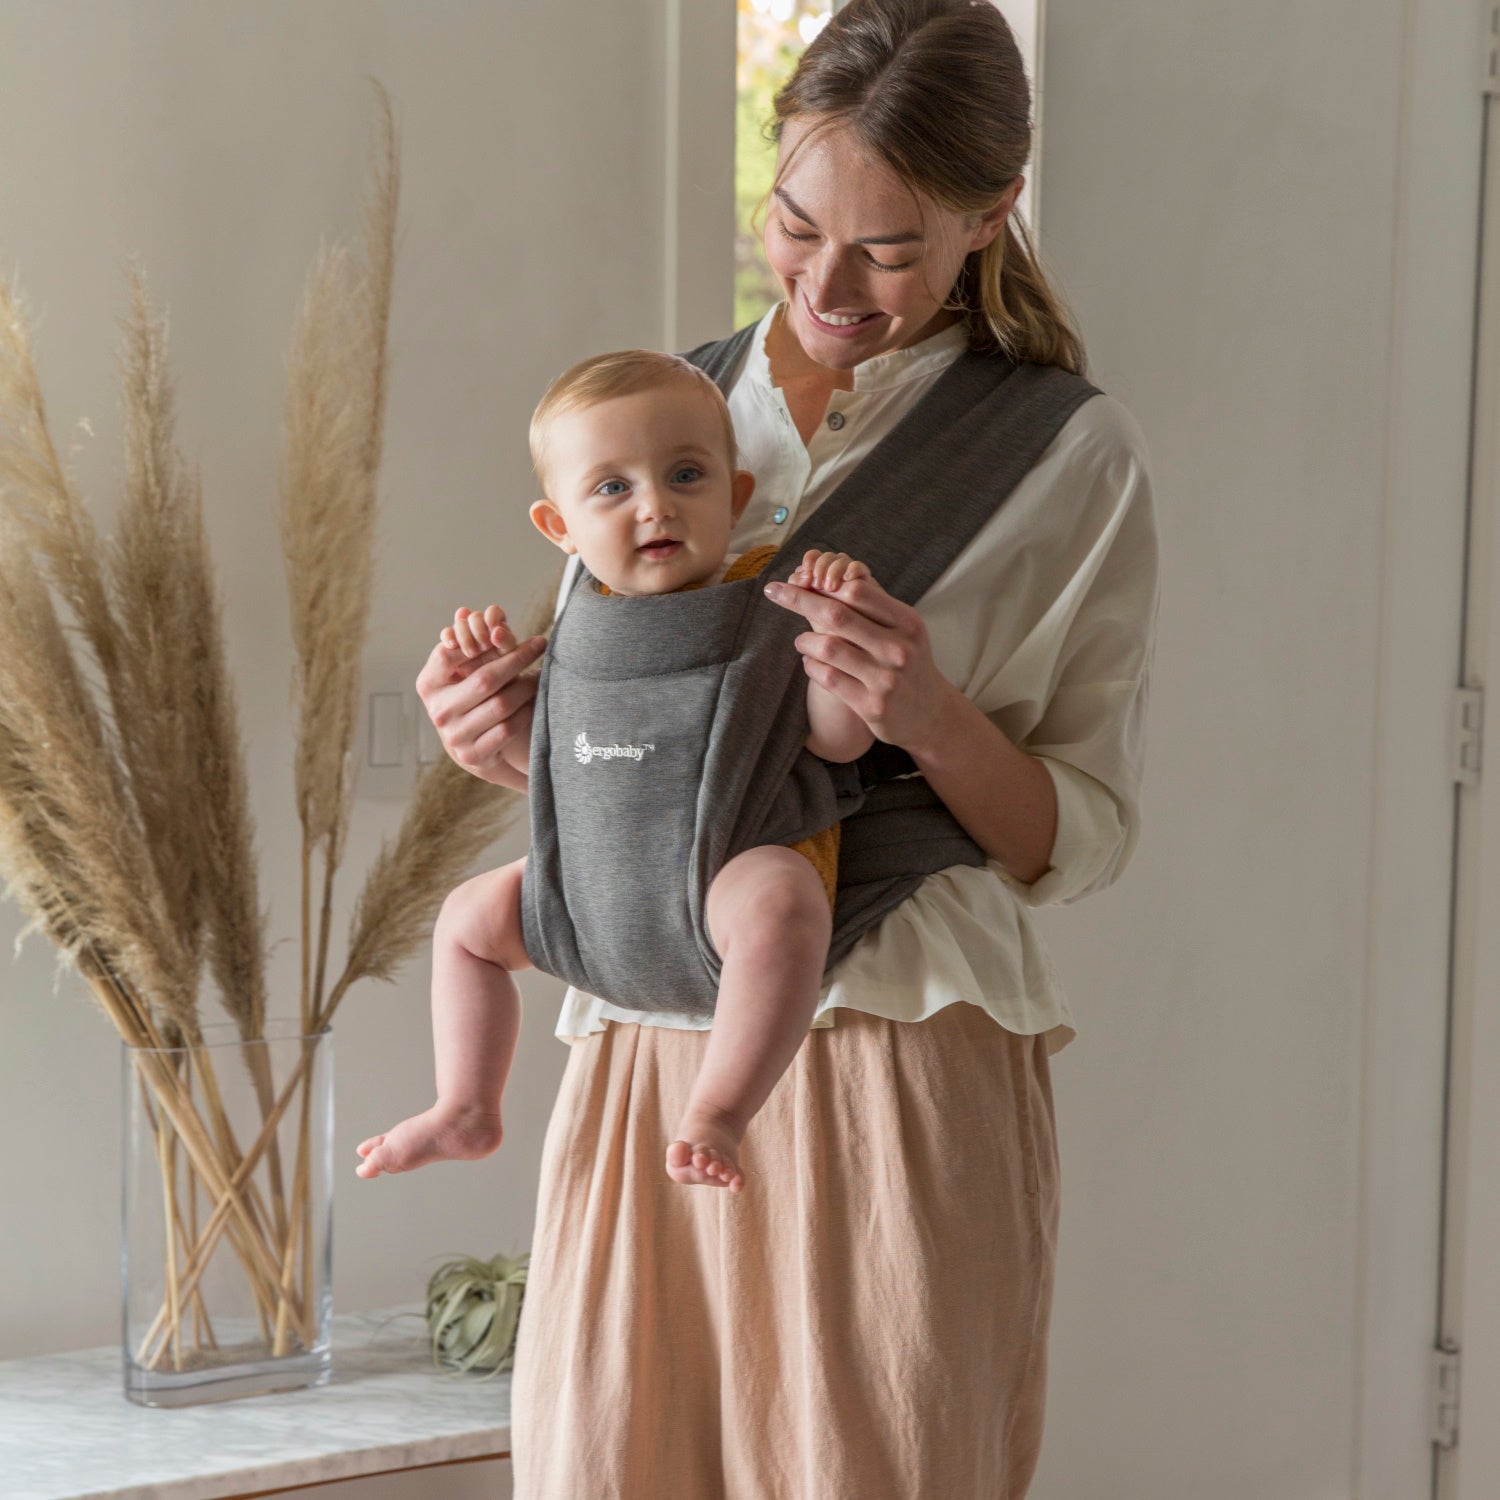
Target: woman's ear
993,222
743,486
549,521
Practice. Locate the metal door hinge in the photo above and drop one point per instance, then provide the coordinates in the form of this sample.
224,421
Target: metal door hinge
1468,734
1445,1395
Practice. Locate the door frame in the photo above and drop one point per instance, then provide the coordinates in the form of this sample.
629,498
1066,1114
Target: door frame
1470,1301
698,177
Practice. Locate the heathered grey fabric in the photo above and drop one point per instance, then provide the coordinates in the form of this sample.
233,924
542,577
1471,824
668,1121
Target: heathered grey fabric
669,729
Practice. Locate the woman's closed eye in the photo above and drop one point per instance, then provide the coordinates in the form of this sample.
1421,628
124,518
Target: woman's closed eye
879,265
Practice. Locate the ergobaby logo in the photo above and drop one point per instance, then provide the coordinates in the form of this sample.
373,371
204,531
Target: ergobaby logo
587,752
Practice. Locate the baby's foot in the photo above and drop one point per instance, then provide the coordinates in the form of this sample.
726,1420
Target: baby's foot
706,1153
437,1134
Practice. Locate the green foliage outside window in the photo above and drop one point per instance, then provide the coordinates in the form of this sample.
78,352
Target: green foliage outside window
771,36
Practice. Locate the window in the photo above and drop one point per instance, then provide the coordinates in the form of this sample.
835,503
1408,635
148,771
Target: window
770,37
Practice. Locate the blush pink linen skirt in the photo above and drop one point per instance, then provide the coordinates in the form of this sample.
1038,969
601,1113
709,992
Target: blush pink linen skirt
866,1321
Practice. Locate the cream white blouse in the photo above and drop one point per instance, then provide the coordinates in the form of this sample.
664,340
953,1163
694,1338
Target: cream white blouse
1046,621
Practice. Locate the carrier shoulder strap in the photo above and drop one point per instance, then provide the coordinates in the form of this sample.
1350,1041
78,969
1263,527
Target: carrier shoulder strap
721,358
929,485
920,496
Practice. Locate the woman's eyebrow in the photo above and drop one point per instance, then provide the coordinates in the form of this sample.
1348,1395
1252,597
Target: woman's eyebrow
905,238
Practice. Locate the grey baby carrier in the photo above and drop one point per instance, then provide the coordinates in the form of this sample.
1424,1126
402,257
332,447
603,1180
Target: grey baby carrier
669,729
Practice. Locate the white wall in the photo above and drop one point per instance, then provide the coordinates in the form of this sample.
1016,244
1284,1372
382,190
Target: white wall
1223,192
221,141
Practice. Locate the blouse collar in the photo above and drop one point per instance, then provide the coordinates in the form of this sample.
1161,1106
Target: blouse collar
880,371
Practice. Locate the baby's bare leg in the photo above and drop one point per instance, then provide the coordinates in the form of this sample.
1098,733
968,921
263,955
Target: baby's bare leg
768,916
476,1020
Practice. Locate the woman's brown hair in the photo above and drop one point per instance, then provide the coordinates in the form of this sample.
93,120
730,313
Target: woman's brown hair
937,91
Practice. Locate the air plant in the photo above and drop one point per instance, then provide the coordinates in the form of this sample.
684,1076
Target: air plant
473,1311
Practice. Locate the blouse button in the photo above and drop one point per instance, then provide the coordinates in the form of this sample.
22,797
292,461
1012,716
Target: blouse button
779,514
835,420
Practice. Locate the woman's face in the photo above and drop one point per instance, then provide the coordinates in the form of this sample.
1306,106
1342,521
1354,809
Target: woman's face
846,237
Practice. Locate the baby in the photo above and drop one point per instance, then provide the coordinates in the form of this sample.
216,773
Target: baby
635,452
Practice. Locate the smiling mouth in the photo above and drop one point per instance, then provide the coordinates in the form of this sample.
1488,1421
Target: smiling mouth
841,325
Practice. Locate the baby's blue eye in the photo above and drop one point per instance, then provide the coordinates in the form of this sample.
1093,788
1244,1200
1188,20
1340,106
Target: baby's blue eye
611,481
688,469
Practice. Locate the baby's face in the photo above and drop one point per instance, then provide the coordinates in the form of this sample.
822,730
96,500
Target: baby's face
642,488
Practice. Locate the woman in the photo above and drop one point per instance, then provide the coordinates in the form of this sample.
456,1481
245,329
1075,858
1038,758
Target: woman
872,1321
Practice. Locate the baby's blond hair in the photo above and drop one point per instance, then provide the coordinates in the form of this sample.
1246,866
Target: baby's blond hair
621,372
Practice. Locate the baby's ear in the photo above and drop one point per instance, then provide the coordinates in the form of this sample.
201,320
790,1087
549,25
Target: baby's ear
742,487
548,519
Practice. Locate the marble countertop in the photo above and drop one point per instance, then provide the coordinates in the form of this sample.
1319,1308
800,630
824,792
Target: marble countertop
68,1433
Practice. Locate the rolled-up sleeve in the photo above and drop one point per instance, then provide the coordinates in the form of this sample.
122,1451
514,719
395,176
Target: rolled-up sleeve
1080,705
1090,839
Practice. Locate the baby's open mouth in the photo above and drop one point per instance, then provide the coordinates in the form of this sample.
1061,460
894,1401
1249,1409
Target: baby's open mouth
664,547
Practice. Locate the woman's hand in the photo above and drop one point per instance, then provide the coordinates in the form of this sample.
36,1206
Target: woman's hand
479,696
868,648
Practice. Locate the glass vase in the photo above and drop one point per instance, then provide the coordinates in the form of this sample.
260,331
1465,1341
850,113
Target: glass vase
227,1212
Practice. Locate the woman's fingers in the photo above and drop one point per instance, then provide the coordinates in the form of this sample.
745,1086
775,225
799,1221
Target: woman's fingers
863,612
494,732
476,689
451,686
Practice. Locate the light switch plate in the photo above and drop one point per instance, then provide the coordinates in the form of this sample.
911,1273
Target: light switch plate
387,736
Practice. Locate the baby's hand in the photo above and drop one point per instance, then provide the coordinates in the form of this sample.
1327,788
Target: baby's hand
826,572
473,633
437,1134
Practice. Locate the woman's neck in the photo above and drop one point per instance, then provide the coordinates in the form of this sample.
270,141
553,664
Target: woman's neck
790,365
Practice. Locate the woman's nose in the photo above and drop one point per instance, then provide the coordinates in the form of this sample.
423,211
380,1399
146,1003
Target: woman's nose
828,282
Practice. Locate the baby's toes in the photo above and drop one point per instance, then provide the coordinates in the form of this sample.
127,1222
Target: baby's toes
721,1170
712,1163
683,1164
